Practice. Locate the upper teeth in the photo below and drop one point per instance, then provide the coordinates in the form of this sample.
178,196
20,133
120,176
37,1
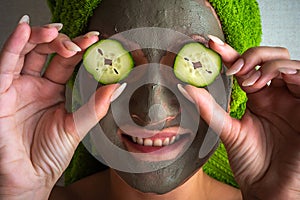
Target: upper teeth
155,142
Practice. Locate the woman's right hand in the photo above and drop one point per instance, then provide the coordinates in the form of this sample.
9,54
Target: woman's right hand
37,135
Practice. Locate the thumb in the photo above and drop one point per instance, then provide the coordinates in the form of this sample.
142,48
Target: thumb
213,114
87,116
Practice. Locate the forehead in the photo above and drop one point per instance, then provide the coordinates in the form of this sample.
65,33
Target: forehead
186,16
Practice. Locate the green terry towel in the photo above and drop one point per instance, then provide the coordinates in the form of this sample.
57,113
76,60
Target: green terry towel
241,25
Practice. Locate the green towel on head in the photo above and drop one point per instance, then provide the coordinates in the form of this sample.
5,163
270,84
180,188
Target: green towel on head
241,25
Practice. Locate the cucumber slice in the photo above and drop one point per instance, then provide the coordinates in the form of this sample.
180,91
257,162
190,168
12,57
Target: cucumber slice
108,61
197,65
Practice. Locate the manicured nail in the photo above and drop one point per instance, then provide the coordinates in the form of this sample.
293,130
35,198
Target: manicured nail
185,93
91,34
118,92
58,26
288,71
24,19
71,46
236,67
252,79
216,40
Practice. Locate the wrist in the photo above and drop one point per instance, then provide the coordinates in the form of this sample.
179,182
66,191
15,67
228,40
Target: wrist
38,194
29,196
271,194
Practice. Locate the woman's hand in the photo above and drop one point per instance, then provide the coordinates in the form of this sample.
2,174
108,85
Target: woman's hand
264,146
37,135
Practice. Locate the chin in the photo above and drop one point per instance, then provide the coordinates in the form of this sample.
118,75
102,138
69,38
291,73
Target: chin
168,178
182,155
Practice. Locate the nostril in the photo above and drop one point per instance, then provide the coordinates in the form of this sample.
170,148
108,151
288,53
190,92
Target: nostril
140,120
156,119
157,113
156,116
154,106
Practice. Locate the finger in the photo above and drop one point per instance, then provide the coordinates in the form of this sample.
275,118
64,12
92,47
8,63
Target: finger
60,69
42,34
292,78
228,54
36,59
37,49
63,46
231,58
290,71
214,115
86,117
11,55
245,67
270,70
258,56
35,62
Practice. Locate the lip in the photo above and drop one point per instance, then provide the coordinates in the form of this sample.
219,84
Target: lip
178,140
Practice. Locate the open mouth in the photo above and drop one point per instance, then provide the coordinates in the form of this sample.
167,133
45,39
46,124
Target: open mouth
155,142
163,145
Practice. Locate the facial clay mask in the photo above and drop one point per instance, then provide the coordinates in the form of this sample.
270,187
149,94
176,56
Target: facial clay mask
153,136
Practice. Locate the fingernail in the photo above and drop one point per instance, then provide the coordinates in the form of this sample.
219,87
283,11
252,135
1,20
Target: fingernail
216,40
236,67
252,79
185,93
91,34
58,26
24,19
288,71
118,92
71,46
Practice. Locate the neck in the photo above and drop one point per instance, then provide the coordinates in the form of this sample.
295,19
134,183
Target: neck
194,188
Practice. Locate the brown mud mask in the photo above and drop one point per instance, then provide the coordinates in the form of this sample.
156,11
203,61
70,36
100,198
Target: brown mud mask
152,135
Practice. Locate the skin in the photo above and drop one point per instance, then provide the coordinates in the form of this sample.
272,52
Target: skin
275,132
263,147
173,175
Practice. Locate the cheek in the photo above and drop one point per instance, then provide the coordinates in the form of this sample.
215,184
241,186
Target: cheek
139,57
168,59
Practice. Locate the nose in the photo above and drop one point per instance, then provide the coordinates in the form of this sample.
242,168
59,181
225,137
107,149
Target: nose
154,106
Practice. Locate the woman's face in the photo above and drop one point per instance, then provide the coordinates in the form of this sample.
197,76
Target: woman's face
159,129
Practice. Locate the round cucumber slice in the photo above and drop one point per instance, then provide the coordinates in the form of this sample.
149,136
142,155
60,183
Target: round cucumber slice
108,61
197,65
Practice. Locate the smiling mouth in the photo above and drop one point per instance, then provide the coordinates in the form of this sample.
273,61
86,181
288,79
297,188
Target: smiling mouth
159,146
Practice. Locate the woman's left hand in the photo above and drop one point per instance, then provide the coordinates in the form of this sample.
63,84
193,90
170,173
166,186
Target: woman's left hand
264,146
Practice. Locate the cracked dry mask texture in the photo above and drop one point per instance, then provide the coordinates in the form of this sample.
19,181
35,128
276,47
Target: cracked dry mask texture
188,17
